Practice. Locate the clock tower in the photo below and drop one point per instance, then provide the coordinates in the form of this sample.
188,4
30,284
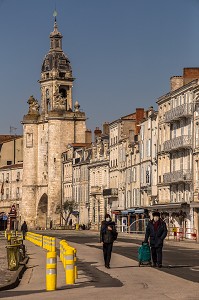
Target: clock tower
56,76
48,127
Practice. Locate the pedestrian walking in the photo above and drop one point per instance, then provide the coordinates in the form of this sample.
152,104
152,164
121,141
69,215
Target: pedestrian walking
24,229
157,231
108,234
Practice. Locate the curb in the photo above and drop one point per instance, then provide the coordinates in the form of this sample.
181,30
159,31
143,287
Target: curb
17,276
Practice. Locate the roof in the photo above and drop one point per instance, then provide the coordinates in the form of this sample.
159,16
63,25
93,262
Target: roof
15,166
7,138
180,89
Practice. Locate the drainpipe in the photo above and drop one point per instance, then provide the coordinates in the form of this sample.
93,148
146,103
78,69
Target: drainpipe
14,149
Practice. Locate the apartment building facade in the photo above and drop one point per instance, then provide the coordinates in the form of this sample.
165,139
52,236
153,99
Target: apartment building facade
98,181
178,150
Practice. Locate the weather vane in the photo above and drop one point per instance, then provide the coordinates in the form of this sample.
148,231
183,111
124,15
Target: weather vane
55,14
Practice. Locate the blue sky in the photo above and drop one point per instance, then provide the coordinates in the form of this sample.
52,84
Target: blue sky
122,52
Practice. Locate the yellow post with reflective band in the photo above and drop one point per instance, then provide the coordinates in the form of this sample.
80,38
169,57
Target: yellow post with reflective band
51,271
69,266
53,244
75,264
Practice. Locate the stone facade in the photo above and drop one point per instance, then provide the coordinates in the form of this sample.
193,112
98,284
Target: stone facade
75,180
11,150
11,189
178,153
47,130
98,180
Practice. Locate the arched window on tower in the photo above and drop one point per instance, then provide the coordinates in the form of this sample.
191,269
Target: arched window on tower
48,100
63,93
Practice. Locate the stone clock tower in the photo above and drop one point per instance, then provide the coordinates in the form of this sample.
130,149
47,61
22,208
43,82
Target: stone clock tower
47,130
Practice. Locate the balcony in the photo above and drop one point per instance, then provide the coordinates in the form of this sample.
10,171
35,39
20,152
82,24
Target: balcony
96,190
184,110
184,141
177,176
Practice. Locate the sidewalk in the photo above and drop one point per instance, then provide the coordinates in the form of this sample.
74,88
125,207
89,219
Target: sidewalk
124,280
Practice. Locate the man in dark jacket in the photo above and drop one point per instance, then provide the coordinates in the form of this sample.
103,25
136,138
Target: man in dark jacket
24,229
108,235
157,231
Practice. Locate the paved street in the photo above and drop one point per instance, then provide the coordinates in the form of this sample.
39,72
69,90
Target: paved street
125,280
177,260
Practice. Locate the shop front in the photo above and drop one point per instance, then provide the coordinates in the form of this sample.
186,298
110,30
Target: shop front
178,216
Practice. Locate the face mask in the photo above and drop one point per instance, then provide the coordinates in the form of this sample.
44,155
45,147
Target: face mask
156,218
108,219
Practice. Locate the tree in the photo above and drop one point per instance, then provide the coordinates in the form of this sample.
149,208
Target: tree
66,209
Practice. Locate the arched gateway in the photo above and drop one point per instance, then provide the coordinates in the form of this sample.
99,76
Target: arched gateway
42,209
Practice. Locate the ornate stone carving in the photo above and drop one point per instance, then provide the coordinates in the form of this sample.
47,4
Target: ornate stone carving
76,106
33,106
59,101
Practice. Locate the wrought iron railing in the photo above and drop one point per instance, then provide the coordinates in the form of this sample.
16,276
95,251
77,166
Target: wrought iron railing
180,111
184,141
177,176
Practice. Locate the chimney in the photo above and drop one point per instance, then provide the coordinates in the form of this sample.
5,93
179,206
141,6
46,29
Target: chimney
97,133
176,82
189,74
106,128
88,136
140,114
150,111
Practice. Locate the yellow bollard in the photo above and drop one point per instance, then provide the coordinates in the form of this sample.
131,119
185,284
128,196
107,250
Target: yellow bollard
70,278
51,271
53,244
8,237
75,263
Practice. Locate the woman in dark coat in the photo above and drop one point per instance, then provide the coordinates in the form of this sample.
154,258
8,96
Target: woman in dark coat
108,235
157,231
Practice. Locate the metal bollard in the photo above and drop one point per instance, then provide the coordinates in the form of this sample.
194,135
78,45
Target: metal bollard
51,271
69,266
75,263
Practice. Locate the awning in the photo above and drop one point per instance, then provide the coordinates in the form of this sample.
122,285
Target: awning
124,212
194,204
115,212
75,213
139,211
131,210
168,206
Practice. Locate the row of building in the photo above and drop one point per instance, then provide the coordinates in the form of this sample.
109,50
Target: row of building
145,161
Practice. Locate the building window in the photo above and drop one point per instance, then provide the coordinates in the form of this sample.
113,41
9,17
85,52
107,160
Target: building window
148,175
18,176
197,135
7,193
7,177
17,192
